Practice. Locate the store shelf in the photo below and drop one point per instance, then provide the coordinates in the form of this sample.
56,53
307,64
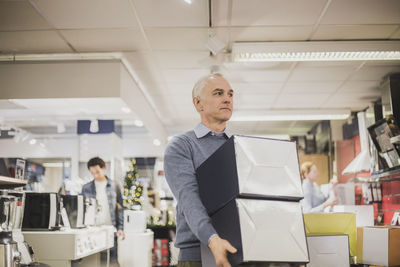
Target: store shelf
380,177
9,182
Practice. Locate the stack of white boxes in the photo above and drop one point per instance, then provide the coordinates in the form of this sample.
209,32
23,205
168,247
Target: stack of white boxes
251,187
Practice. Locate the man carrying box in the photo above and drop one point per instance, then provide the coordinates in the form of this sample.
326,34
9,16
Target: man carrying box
213,99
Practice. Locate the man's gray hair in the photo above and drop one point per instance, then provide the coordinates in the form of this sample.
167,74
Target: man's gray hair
198,87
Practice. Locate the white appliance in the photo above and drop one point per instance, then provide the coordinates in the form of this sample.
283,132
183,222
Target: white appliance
61,248
135,221
136,249
329,251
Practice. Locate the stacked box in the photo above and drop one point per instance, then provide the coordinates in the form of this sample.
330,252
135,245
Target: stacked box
251,188
379,245
328,251
333,224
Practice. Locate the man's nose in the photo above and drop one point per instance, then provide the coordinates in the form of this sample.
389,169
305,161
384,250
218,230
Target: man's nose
227,99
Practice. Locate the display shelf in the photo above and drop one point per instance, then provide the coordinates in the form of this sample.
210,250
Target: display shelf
379,177
9,182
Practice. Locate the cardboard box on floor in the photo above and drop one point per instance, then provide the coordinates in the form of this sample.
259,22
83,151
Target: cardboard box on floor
333,224
328,251
378,245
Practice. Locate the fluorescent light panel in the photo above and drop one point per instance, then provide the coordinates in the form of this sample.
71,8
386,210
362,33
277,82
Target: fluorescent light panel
293,115
316,51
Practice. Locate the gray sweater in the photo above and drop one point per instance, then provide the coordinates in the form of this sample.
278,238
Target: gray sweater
183,155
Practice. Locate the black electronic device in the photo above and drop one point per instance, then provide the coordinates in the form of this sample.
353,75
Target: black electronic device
382,133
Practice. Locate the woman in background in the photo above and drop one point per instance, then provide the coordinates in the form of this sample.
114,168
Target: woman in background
314,200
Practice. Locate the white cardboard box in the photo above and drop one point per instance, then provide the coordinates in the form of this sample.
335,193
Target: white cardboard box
364,213
381,245
267,167
262,231
329,251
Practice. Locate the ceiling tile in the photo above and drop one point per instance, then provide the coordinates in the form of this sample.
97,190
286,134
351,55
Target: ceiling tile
276,12
32,42
256,88
311,100
182,59
16,16
190,76
353,32
311,87
110,40
172,13
258,76
178,38
321,74
141,60
220,13
351,100
360,87
362,12
178,89
265,34
99,14
396,35
374,73
354,106
253,101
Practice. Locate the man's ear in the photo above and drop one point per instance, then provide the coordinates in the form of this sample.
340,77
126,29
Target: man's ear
196,103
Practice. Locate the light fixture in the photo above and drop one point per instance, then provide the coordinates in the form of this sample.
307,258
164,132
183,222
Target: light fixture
126,110
292,115
156,142
316,51
94,126
188,2
214,44
24,135
138,123
32,141
61,127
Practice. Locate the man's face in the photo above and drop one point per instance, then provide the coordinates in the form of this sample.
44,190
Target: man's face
97,172
216,101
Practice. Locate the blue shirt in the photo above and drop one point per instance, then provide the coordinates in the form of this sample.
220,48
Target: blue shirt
183,155
313,197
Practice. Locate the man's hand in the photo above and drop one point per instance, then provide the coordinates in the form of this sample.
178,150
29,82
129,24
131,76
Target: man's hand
121,233
219,247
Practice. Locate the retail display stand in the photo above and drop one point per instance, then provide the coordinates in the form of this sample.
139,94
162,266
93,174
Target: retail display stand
251,188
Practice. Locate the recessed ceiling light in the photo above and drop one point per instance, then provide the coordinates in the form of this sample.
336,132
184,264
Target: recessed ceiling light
94,126
61,128
32,141
188,1
138,123
126,109
156,142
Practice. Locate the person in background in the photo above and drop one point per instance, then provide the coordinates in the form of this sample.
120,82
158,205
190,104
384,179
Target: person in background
314,200
109,197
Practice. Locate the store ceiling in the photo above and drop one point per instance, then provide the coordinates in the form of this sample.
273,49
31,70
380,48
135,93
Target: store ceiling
165,43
